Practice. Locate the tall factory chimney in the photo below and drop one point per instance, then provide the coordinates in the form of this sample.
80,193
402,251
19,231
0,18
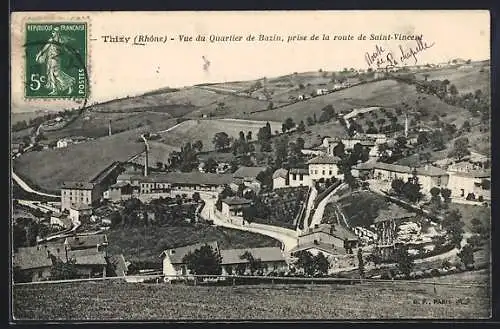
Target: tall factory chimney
109,128
406,125
146,162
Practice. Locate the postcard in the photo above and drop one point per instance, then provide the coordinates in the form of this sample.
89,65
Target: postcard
253,165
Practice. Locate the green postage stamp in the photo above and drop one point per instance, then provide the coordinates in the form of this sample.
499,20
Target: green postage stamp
56,60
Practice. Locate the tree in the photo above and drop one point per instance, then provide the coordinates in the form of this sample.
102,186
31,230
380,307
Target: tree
221,141
361,264
63,270
453,225
159,165
281,149
196,196
301,127
446,194
210,165
320,264
466,256
453,90
270,106
314,118
460,148
249,136
435,191
203,261
310,121
397,185
305,262
265,146
437,140
404,260
466,126
339,149
254,264
289,124
198,145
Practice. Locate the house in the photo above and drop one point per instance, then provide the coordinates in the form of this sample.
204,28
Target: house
280,178
89,262
77,212
324,166
60,219
271,258
31,264
248,176
234,206
330,251
97,242
321,91
334,235
120,191
475,184
428,176
79,193
64,142
173,264
298,177
159,183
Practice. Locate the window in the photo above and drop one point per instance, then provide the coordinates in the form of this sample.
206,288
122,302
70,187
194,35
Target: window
330,172
323,172
301,177
294,176
439,181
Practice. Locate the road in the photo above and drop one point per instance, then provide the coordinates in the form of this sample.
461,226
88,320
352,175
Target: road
310,205
27,188
320,209
286,236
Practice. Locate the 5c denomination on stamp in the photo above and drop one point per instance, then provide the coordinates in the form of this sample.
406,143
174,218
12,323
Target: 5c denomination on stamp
56,60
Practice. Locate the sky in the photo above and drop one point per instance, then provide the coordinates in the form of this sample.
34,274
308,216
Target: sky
120,69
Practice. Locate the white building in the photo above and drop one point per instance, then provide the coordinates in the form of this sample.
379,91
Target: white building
325,166
475,182
173,259
298,177
63,142
280,178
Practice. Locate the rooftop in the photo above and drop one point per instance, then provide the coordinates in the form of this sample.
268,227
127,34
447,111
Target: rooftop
280,173
304,171
80,207
184,178
423,171
324,159
248,172
473,174
235,201
266,254
86,241
31,258
329,249
177,254
77,185
392,212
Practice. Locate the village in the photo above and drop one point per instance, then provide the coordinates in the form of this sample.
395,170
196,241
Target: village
298,199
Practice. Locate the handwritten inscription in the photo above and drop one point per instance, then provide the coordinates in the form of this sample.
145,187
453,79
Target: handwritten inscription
382,57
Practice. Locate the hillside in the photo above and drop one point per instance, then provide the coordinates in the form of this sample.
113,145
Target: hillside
162,109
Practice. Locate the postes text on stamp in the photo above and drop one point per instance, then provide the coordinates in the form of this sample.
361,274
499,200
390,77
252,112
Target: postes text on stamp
56,60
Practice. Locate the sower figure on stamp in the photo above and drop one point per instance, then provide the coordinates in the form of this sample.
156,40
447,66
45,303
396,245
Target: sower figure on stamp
57,80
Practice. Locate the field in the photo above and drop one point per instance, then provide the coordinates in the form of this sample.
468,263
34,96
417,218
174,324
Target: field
49,168
204,130
146,244
472,211
465,79
130,301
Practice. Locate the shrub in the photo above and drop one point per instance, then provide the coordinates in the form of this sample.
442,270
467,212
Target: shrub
434,272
